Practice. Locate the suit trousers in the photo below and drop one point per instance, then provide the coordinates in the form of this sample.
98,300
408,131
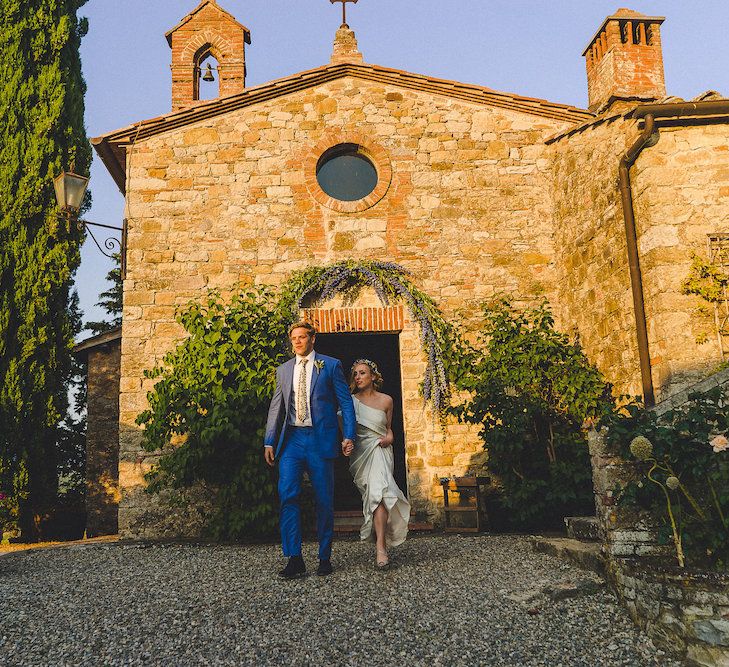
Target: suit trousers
299,454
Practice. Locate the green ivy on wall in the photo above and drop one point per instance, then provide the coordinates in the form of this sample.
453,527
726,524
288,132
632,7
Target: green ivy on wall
710,282
211,399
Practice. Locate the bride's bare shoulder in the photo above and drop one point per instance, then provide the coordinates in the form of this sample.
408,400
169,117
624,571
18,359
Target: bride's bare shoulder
384,400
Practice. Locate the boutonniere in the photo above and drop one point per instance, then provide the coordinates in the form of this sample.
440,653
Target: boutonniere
319,363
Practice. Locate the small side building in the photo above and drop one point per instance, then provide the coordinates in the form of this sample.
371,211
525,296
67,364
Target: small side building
102,354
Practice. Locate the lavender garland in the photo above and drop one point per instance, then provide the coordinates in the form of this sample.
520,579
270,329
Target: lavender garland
390,282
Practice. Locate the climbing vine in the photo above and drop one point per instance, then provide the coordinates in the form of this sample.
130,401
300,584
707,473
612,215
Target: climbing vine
706,280
211,400
391,282
529,391
709,281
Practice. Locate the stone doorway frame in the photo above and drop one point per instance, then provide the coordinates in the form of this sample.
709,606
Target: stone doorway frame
430,452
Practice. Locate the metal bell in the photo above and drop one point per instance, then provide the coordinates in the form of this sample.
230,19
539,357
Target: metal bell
208,76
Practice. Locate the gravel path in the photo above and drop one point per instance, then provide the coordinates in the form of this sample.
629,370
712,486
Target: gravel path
447,601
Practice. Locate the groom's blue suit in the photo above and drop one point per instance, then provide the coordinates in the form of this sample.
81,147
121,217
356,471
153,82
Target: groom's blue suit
312,448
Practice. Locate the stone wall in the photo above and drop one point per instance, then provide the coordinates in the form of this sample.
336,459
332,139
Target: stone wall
465,208
719,379
592,268
681,189
687,614
624,532
681,194
102,440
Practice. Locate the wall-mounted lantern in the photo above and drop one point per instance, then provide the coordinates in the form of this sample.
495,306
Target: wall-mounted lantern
70,190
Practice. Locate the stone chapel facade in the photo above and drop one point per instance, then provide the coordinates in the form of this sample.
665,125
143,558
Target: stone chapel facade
477,192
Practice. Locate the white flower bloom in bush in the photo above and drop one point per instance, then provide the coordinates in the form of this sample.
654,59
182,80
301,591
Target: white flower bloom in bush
719,443
641,448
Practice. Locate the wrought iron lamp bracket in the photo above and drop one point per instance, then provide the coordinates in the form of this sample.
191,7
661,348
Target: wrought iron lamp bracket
110,243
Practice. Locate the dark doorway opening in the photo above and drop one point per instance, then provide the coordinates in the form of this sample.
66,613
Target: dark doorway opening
384,350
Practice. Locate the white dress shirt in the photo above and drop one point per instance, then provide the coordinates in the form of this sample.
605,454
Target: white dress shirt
309,375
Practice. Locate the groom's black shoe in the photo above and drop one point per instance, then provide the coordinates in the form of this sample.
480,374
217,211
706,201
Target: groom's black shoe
294,569
325,568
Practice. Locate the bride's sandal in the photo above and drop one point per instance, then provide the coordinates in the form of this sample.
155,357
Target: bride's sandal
383,560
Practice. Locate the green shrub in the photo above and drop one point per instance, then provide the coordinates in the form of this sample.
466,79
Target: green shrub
531,389
211,401
13,484
696,501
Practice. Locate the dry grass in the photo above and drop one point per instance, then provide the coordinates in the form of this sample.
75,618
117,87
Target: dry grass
10,548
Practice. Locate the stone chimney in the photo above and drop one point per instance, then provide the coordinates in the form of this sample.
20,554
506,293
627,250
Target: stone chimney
208,30
625,60
345,47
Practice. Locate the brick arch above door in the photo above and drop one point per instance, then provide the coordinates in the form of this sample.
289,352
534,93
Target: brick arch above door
356,320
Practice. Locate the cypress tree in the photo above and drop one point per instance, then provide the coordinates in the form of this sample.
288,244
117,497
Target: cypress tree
42,132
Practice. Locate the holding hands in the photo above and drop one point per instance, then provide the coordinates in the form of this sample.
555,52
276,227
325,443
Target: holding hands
347,446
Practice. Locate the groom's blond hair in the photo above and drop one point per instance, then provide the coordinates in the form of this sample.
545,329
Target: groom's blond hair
303,325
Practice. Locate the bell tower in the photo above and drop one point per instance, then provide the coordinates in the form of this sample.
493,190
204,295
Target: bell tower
625,60
208,31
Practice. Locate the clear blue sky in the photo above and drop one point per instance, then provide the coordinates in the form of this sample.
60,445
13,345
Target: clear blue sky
530,47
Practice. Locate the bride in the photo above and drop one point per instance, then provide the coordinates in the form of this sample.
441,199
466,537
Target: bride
386,511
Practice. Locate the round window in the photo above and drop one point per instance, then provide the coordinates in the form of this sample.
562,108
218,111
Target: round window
346,173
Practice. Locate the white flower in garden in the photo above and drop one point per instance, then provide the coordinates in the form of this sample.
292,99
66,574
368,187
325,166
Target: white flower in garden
641,448
673,483
719,443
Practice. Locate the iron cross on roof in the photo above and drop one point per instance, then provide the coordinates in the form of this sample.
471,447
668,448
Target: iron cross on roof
344,8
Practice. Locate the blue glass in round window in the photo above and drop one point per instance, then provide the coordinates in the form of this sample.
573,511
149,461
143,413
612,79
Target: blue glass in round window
345,173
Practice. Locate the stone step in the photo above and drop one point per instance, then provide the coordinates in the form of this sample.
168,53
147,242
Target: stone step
583,528
586,555
346,523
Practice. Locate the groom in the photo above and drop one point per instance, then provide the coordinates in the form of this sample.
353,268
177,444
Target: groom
302,433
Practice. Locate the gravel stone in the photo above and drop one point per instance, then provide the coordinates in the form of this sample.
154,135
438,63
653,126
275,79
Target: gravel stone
446,600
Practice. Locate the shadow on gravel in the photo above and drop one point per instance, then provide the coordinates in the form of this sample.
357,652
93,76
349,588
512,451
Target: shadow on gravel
9,566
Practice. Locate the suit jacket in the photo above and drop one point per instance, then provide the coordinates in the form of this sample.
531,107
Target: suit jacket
328,393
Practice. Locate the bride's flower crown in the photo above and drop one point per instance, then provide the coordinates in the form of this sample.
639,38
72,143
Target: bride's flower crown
367,362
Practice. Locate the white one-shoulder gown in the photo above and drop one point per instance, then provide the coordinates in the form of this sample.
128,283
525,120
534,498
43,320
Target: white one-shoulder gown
371,467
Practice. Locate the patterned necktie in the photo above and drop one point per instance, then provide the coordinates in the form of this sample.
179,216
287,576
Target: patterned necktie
302,405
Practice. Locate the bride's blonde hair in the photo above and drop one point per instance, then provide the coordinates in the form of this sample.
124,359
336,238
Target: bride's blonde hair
377,379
